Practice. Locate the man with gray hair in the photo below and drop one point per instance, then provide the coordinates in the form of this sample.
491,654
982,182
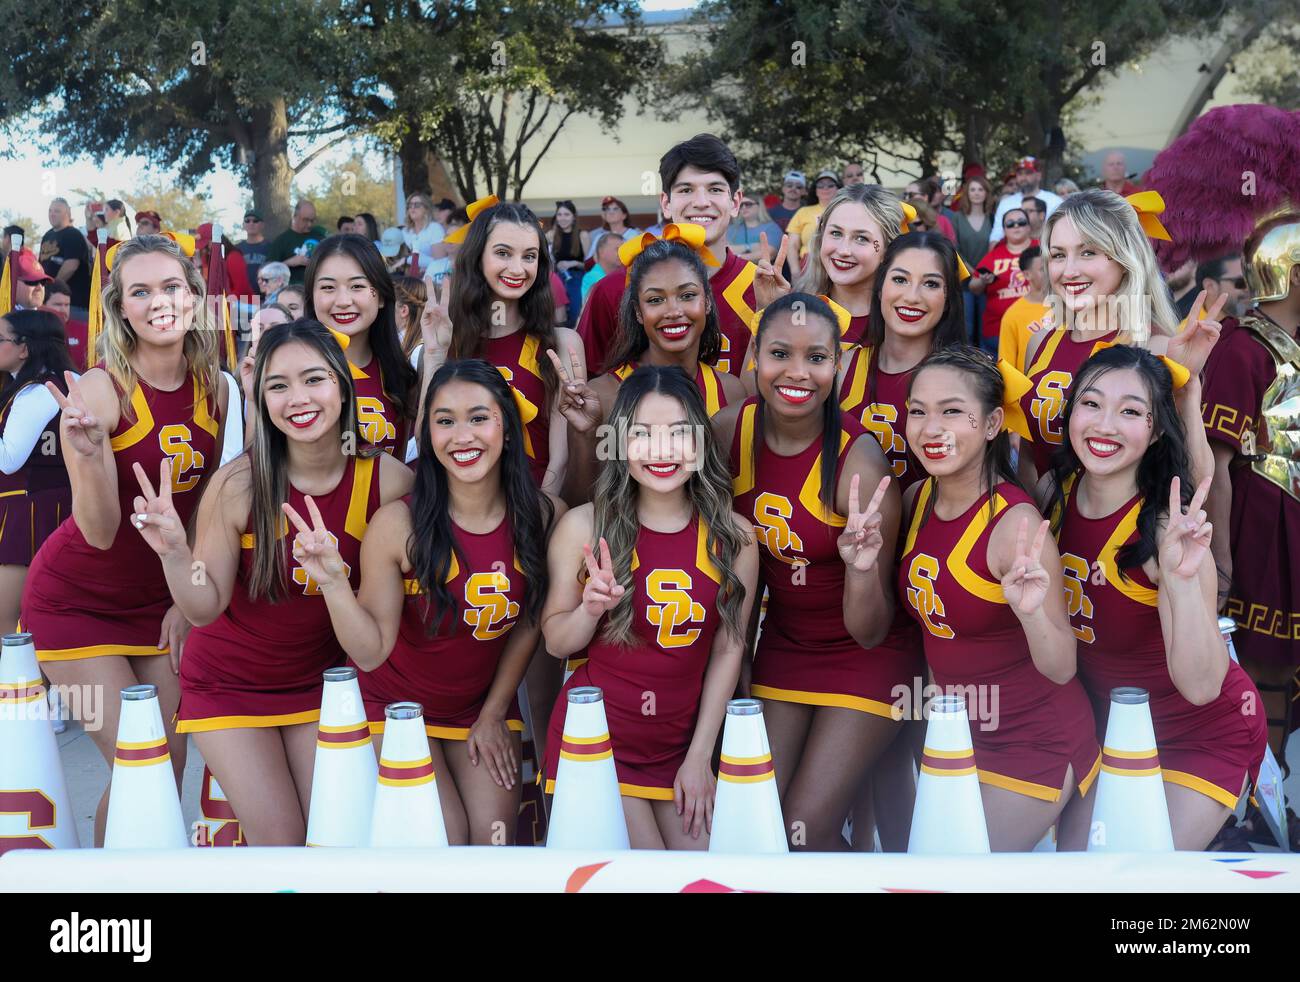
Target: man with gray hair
65,255
1114,175
294,246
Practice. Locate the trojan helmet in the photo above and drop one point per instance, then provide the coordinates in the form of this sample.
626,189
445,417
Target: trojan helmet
1271,252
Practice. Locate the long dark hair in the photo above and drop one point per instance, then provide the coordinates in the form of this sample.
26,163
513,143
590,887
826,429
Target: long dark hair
47,353
396,373
1165,458
990,390
268,454
632,341
371,223
951,328
471,296
808,305
431,545
708,490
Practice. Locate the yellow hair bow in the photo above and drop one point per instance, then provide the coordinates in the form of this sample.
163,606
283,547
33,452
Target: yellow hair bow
186,242
688,234
963,274
909,216
1015,384
340,337
1149,205
527,413
472,210
1177,371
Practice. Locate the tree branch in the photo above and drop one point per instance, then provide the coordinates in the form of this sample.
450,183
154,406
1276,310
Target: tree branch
302,164
542,153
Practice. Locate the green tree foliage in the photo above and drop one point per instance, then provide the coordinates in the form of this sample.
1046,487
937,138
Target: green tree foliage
348,187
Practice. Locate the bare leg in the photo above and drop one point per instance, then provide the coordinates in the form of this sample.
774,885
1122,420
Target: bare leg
642,829
453,809
1017,822
252,766
787,729
12,578
491,810
895,789
1194,817
670,828
157,670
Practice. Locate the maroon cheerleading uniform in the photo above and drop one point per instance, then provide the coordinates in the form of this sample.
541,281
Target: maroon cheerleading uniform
517,357
83,602
805,652
260,663
382,425
674,591
973,639
706,380
1210,748
1052,372
885,415
36,498
450,673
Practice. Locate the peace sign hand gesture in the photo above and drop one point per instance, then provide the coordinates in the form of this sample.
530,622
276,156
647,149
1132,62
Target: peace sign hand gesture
155,516
315,549
770,284
79,430
1025,583
1185,539
578,403
435,322
861,540
1192,346
602,591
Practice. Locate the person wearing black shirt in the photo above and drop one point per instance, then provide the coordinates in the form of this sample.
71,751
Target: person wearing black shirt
65,255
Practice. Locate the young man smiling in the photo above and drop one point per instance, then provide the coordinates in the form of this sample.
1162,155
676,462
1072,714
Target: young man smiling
701,185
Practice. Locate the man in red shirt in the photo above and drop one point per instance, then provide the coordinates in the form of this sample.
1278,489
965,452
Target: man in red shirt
701,185
999,275
1114,175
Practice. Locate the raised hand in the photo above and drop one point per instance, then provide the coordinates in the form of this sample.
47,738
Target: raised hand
770,284
578,403
315,549
861,540
1191,347
1185,539
435,322
602,591
155,516
80,431
1025,583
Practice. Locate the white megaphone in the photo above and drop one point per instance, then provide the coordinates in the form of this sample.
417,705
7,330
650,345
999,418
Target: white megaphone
587,811
144,807
746,809
346,774
949,813
407,812
1130,813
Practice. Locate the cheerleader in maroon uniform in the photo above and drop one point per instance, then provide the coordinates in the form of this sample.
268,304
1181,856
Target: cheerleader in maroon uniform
96,599
666,317
34,493
669,576
1140,588
500,309
251,676
453,577
349,291
1103,283
798,467
991,604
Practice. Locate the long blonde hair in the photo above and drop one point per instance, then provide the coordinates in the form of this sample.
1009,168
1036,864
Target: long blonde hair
884,208
1107,221
118,341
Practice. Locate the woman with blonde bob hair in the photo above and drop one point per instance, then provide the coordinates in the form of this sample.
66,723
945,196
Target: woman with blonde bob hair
96,598
1103,285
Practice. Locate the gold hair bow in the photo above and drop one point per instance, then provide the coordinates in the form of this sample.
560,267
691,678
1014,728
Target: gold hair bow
472,210
1015,385
909,216
1177,371
340,337
688,234
963,274
527,413
187,243
1149,206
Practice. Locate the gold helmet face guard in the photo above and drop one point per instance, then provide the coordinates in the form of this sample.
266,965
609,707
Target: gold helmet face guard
1270,254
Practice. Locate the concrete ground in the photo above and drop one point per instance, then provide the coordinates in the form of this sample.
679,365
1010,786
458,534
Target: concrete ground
87,775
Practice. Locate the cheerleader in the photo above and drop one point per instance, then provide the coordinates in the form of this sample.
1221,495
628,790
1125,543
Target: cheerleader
667,317
659,606
251,677
991,604
96,598
798,467
34,493
500,309
453,577
1103,284
350,292
1140,590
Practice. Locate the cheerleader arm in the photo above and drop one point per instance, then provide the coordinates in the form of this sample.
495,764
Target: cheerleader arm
868,543
568,623
29,413
1200,457
90,412
366,623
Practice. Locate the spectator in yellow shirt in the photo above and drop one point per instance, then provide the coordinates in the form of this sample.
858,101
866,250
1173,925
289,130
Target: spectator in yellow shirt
1027,315
803,226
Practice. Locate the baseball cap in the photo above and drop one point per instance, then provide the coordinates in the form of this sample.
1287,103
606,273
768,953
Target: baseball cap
152,216
1027,163
832,175
795,175
255,216
28,269
391,242
446,204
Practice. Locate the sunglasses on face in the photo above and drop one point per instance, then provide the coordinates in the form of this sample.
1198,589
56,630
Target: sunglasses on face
1018,223
1238,283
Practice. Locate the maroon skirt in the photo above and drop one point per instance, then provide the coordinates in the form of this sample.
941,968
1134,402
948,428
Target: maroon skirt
27,519
1265,596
